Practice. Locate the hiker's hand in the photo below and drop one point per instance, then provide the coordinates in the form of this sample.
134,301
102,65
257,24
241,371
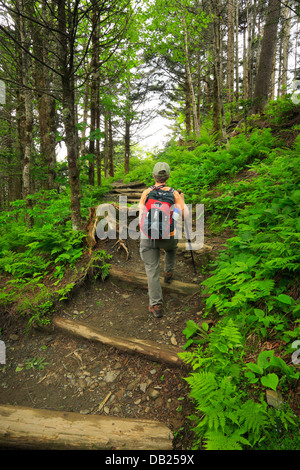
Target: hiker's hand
180,193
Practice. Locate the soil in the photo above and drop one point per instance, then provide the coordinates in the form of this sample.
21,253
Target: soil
46,368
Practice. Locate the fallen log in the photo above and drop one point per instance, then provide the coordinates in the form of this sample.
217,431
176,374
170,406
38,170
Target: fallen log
26,428
197,248
140,279
149,349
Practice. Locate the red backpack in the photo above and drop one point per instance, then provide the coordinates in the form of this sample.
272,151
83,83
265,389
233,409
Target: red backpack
157,219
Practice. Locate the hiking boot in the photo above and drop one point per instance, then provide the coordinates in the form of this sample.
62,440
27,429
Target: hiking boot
156,310
168,277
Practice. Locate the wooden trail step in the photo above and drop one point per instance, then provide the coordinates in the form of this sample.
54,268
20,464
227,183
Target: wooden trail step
140,279
154,351
133,184
26,428
129,191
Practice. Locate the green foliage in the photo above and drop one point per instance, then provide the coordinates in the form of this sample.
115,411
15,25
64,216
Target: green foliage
251,289
262,259
226,419
48,250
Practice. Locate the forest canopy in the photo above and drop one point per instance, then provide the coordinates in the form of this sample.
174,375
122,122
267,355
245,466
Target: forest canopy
89,75
82,85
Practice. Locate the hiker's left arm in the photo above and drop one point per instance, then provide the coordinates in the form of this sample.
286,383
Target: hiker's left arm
181,204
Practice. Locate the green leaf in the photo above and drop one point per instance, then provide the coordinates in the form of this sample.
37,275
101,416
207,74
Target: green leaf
270,381
255,368
285,299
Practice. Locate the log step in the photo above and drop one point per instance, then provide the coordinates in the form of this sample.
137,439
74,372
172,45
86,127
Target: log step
26,428
140,279
154,351
133,184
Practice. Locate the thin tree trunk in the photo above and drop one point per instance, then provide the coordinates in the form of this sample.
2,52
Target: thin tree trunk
188,109
85,116
230,53
98,153
106,144
93,104
245,59
189,79
219,112
273,78
127,146
237,79
27,120
66,66
111,148
251,28
285,51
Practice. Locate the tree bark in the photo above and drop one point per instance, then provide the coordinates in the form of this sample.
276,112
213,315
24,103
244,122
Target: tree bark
106,144
140,279
188,111
111,147
189,79
26,428
263,78
285,51
27,121
46,102
230,52
149,349
127,146
67,72
237,78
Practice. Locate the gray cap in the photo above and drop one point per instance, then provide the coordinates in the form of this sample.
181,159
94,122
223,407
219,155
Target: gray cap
161,169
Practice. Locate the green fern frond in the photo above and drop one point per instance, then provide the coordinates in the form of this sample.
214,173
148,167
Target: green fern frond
216,440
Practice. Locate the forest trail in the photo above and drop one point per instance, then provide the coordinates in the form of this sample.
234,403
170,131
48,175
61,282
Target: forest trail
60,371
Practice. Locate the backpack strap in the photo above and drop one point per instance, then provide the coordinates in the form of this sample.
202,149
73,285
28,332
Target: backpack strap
171,190
157,187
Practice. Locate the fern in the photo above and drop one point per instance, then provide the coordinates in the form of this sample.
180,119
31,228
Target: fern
215,440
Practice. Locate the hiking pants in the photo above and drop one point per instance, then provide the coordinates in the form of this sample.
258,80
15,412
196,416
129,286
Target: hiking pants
150,254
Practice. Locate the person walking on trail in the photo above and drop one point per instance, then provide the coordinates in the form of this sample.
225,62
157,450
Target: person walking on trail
158,208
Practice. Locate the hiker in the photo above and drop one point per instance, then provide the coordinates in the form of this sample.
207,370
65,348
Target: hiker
153,238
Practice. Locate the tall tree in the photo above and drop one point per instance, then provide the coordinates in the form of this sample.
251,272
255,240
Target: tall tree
269,41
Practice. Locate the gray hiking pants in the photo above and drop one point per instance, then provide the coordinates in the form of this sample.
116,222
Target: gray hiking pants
150,254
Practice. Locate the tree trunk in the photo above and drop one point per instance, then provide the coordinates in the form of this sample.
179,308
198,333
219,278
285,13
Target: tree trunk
67,72
27,121
218,112
237,79
98,153
46,102
285,51
263,78
91,172
188,109
111,148
93,104
251,36
106,144
189,79
26,428
245,59
85,116
127,146
230,53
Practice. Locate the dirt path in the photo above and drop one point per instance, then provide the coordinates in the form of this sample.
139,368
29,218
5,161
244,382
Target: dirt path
51,370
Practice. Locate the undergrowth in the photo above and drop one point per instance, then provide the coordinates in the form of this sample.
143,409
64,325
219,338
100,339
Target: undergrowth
38,264
254,292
